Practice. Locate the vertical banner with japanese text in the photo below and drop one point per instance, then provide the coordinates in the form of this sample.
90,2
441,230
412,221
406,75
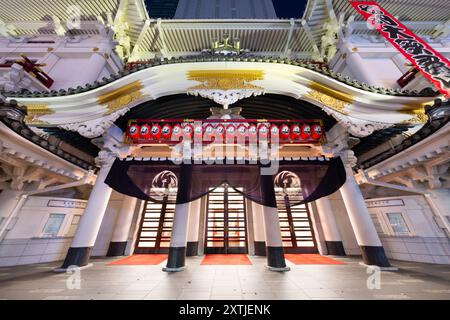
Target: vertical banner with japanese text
427,60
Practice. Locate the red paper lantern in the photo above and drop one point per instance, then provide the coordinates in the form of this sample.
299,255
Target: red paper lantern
274,131
156,132
231,131
241,131
306,131
166,131
295,131
208,132
144,133
176,132
252,132
284,132
133,131
198,131
220,131
188,131
316,131
263,131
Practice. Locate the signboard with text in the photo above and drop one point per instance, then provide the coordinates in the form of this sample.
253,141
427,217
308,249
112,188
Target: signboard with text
427,60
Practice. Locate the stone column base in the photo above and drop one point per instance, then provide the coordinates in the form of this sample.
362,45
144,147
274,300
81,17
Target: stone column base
116,248
275,259
260,248
77,257
192,248
374,256
335,248
177,259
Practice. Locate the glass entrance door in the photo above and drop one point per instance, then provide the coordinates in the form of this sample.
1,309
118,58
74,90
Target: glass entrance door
226,226
156,228
296,227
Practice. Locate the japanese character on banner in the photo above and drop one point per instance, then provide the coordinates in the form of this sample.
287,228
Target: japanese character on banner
427,60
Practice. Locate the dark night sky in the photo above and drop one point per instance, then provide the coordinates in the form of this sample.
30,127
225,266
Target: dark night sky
284,8
289,8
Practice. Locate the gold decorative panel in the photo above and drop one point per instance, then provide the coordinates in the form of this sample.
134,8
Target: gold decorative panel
418,116
225,79
329,101
120,98
35,111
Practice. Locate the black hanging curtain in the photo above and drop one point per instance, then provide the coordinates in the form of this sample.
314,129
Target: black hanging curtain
301,181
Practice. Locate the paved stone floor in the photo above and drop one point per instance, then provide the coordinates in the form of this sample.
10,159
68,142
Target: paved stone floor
411,281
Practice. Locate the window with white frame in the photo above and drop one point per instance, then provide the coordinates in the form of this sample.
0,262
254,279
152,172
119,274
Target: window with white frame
53,225
377,223
398,223
73,225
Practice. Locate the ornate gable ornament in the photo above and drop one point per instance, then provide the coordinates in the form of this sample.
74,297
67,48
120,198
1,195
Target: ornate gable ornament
225,87
337,108
117,103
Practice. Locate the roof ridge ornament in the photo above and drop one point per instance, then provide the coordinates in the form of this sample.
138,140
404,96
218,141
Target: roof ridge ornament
226,47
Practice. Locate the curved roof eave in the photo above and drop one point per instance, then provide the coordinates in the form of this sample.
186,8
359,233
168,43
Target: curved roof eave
334,93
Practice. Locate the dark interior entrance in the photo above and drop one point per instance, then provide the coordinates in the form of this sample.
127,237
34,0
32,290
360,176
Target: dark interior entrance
226,222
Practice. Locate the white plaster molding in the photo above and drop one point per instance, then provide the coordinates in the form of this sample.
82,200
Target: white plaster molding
357,127
226,97
96,127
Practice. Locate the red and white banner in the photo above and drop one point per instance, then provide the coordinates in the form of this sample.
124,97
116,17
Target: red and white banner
430,62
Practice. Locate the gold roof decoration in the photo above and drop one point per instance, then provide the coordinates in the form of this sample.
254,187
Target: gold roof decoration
122,97
328,101
35,111
225,79
225,87
418,116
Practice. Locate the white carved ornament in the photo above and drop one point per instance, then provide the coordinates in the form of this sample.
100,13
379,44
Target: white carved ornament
226,97
357,127
96,127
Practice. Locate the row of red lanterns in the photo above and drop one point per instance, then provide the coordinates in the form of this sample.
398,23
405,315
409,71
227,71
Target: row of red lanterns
170,132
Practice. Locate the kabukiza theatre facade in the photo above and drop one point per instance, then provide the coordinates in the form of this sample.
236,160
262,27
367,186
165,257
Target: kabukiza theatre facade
220,151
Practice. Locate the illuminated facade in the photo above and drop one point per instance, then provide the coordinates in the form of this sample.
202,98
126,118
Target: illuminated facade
71,87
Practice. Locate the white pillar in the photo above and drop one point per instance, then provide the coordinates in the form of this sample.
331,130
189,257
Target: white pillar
8,201
194,224
96,64
83,242
330,229
274,242
359,68
258,229
11,202
122,226
177,252
362,224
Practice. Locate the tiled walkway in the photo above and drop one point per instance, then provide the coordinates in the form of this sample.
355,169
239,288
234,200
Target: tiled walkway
349,281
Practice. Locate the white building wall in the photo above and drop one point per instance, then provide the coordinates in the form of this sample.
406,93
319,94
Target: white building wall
70,63
25,243
426,242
